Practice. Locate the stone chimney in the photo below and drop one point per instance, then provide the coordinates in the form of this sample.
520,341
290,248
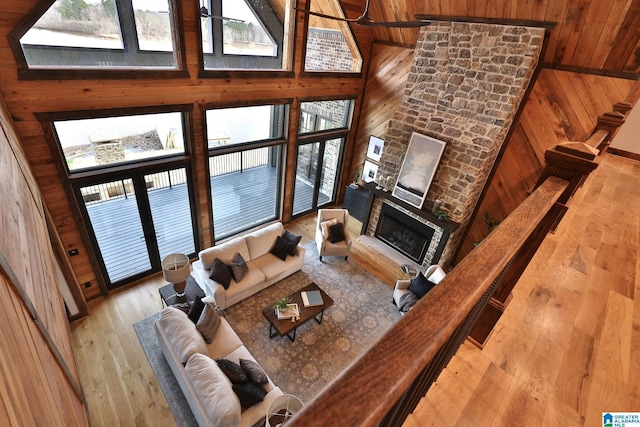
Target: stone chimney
464,88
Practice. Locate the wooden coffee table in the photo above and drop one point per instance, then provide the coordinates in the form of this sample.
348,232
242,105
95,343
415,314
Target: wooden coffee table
286,326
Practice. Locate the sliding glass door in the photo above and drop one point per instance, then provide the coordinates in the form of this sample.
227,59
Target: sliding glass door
317,168
136,221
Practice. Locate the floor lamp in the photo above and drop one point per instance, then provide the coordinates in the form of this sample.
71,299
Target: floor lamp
175,270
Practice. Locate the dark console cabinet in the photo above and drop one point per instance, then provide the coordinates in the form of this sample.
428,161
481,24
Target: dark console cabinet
358,202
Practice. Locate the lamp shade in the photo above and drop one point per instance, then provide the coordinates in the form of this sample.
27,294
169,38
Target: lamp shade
281,409
175,268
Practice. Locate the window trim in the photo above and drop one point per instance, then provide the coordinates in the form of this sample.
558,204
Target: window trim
57,72
327,73
286,52
47,119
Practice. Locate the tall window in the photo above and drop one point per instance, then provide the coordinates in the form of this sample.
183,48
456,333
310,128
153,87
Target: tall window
330,43
244,34
135,215
324,126
245,166
102,34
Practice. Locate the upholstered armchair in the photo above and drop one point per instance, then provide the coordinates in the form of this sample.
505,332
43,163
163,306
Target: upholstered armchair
433,274
332,237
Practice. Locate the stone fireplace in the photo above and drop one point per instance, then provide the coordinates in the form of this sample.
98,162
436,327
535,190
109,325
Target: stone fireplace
466,83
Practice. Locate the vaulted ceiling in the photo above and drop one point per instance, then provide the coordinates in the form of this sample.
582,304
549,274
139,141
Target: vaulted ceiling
600,35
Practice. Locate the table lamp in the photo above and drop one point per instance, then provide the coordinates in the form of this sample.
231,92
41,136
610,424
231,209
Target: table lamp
175,270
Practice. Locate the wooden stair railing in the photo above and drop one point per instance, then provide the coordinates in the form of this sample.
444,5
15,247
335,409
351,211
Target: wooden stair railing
383,386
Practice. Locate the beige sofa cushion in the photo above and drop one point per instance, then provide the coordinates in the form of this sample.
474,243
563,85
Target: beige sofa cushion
261,241
225,251
182,333
214,391
224,342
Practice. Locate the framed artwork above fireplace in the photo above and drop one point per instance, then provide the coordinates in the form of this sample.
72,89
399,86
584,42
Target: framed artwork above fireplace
418,169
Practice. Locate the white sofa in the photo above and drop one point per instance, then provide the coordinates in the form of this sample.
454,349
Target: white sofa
206,388
265,268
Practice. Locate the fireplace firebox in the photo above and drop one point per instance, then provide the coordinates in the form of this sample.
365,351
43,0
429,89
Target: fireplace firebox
404,233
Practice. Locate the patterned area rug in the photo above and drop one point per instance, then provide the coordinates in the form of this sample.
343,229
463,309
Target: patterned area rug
362,312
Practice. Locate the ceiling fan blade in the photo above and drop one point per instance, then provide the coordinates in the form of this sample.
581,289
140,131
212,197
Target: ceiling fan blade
335,18
394,24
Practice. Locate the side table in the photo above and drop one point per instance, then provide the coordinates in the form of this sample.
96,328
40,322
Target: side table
168,295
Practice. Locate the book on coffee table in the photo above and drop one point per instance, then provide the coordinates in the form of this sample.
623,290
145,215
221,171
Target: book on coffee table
311,298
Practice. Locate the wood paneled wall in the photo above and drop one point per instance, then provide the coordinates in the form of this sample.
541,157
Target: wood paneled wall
386,80
27,98
40,383
563,106
596,34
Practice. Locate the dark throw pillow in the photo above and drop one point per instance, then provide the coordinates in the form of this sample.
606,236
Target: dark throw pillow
249,393
239,267
281,248
255,373
233,371
220,272
407,301
420,285
208,322
196,309
294,239
336,233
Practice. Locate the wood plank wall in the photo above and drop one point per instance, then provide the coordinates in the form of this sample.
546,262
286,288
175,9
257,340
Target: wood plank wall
386,80
27,98
563,106
40,383
595,34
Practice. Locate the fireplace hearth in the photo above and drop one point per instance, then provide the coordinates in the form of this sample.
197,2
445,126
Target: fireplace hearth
404,233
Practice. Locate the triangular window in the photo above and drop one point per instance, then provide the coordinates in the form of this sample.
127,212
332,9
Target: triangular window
244,34
330,43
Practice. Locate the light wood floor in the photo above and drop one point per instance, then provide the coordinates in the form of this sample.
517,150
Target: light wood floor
567,348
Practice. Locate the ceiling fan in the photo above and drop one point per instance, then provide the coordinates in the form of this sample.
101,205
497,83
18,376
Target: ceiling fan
366,21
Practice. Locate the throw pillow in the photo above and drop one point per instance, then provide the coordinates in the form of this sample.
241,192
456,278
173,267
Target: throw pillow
294,239
220,273
324,225
281,248
208,322
239,267
232,370
182,306
196,309
213,388
420,285
407,301
249,393
255,373
336,233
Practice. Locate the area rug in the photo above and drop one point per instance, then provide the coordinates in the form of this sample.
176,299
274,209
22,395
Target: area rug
362,312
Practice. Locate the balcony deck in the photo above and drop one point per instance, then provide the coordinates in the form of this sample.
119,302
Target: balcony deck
241,200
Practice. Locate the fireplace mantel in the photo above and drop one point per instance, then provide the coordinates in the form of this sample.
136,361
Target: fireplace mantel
448,226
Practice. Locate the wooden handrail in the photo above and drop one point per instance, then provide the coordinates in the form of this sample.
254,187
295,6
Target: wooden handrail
402,365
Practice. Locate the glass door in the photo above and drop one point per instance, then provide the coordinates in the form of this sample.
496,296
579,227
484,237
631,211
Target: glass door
136,221
317,169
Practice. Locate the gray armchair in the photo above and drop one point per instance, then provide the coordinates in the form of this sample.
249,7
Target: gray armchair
325,246
434,273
